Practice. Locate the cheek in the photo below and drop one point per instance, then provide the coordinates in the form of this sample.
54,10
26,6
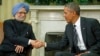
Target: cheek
17,15
65,15
68,18
24,15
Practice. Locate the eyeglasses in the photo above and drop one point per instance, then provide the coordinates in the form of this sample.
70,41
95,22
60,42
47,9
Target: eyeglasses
21,12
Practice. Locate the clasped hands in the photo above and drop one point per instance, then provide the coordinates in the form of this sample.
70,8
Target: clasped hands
37,43
34,43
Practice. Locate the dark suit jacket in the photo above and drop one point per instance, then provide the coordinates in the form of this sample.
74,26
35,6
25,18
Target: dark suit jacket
91,35
16,33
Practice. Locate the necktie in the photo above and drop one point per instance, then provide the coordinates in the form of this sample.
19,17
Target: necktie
75,35
75,39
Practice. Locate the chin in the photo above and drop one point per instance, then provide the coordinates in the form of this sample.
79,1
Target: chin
21,20
69,22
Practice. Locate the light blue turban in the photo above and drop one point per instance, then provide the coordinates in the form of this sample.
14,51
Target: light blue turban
18,6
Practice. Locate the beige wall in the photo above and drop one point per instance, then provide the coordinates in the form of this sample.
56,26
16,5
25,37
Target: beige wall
6,7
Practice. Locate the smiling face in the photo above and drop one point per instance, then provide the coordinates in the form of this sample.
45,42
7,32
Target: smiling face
21,15
71,12
68,14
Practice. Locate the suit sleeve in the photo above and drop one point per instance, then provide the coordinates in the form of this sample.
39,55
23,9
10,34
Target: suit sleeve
31,35
96,33
13,37
58,45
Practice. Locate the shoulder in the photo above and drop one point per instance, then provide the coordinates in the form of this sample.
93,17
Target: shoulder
89,19
9,21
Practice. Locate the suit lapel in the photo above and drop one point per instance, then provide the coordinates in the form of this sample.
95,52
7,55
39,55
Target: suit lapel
83,28
70,33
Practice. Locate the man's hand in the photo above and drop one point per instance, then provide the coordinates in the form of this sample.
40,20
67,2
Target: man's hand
19,49
78,54
82,53
37,43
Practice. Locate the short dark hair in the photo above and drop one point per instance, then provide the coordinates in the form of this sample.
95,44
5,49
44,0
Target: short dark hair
73,6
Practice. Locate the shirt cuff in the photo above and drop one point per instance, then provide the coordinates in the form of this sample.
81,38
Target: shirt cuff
45,44
29,42
88,52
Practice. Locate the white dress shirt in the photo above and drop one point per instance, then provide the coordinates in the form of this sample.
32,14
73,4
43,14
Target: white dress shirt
80,44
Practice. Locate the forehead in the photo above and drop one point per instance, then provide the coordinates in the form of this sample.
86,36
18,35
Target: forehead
22,10
66,9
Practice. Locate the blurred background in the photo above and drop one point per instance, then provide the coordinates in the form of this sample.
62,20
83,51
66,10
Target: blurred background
46,18
6,5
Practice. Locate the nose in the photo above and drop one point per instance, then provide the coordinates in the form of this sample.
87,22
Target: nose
23,14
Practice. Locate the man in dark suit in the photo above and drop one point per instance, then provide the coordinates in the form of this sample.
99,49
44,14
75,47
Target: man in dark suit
18,35
82,35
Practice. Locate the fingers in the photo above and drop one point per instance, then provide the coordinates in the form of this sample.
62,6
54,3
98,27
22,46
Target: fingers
37,43
19,49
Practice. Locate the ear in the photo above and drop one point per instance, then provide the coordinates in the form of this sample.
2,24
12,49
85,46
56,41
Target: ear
74,13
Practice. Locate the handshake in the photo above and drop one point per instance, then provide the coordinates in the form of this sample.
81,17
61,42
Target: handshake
37,43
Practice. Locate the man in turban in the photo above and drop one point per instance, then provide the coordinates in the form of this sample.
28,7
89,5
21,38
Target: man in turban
18,35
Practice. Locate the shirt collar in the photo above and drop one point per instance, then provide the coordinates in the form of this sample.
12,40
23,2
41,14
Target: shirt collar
77,23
